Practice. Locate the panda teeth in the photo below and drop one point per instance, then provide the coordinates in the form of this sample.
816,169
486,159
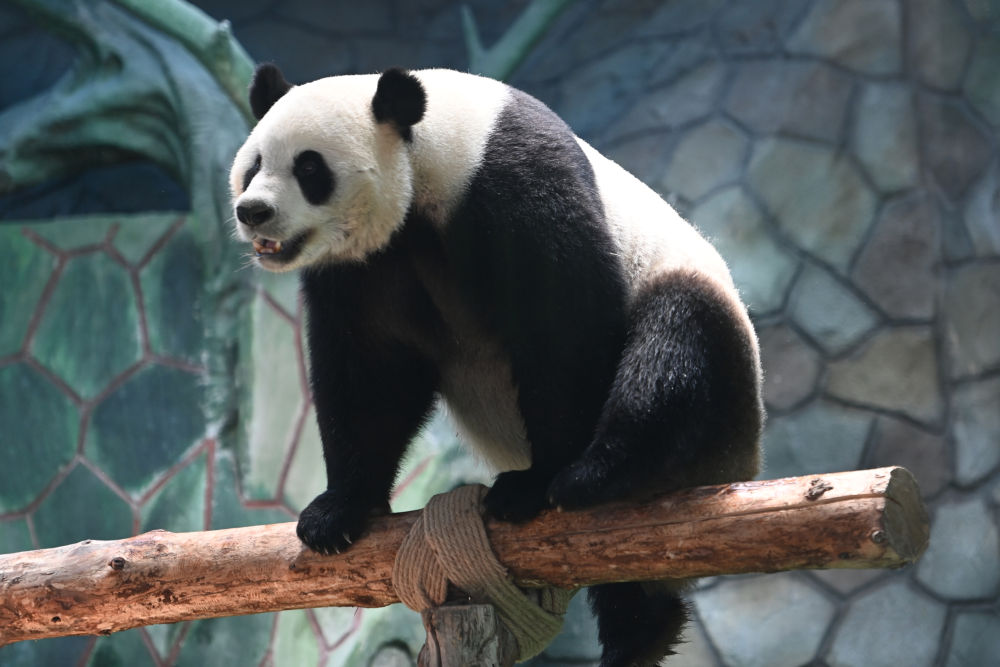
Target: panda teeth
266,247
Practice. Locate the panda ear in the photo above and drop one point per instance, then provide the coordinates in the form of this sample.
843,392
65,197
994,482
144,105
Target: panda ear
399,99
266,88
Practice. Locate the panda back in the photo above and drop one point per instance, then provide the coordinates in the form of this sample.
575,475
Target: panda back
466,114
653,239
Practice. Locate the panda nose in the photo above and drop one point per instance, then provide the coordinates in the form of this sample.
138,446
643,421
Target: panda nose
254,213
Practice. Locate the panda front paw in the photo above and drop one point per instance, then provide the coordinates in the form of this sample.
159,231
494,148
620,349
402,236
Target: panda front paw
329,525
579,485
517,495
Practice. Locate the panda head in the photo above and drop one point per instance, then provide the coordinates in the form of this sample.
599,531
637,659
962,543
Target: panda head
325,176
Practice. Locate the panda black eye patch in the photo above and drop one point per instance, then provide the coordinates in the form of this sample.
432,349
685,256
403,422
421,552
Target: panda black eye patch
250,173
314,177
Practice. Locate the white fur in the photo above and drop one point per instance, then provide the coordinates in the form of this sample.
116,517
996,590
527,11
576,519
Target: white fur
374,178
448,144
653,239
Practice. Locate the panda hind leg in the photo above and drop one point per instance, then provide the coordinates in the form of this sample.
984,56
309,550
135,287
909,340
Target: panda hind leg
638,623
684,409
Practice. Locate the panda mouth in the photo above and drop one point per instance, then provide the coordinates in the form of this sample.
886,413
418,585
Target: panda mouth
272,250
267,247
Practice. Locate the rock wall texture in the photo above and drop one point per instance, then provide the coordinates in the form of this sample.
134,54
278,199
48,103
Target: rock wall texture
842,154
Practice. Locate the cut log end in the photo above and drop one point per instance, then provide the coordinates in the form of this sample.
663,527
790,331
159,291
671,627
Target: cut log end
906,529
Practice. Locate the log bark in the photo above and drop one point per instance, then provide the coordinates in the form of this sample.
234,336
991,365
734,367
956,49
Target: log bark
859,519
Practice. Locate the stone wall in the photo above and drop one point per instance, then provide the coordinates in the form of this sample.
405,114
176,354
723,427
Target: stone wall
842,154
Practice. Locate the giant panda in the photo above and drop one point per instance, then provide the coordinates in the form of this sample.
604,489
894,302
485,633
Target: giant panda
456,240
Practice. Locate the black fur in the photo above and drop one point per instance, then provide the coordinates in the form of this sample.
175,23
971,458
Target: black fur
314,177
682,411
638,623
399,99
371,328
250,173
266,88
617,399
531,250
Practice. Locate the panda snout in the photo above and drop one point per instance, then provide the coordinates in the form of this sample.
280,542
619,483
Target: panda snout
255,213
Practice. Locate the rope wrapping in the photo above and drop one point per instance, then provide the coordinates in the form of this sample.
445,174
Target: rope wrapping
448,544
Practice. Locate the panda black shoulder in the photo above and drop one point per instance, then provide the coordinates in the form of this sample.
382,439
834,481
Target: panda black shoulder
531,151
531,233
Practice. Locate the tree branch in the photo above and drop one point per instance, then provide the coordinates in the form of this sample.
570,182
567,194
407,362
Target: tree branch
860,519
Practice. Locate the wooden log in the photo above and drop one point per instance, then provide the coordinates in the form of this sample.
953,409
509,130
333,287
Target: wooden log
459,635
860,519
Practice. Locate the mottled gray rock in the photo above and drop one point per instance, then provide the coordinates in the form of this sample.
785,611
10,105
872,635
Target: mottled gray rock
982,83
822,437
982,213
683,55
889,625
829,311
679,16
807,99
644,155
816,195
791,367
956,242
768,621
847,581
695,649
884,136
899,443
761,268
596,91
897,268
896,370
863,35
708,156
955,149
961,560
976,426
975,640
972,319
583,32
694,95
756,28
938,42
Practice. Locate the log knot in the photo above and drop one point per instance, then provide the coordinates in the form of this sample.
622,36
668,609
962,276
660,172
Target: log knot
448,545
817,487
